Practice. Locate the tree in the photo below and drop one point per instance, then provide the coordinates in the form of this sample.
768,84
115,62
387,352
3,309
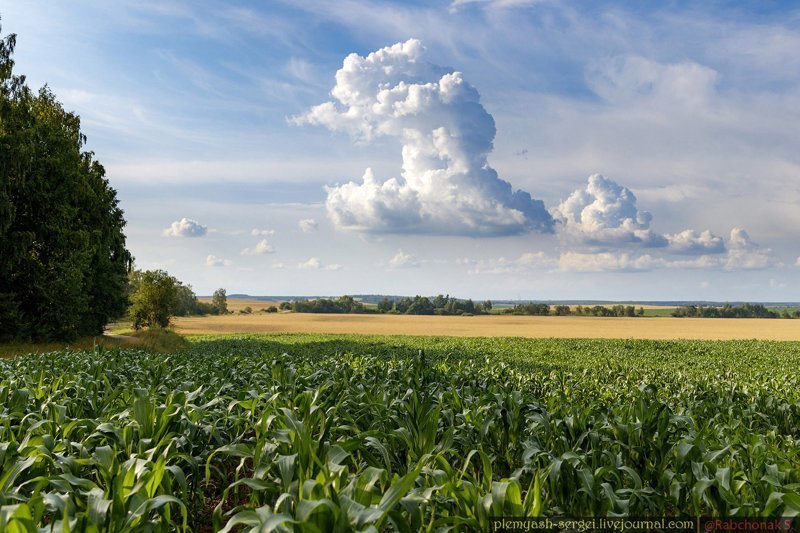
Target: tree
385,305
469,306
487,306
63,262
219,302
403,304
187,301
420,305
155,299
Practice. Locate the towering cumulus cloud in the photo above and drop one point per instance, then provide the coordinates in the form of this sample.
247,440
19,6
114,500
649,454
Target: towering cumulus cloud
446,185
605,213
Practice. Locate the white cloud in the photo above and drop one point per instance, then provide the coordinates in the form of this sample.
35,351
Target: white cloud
775,284
403,260
255,232
525,262
686,85
691,242
607,261
604,213
446,186
455,5
744,254
278,266
312,263
308,225
263,247
214,261
186,227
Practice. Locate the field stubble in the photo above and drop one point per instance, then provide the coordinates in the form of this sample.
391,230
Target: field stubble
496,326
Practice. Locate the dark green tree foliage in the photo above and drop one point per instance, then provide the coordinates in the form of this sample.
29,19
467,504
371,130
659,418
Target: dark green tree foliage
531,309
343,304
155,300
63,261
219,302
385,305
726,311
189,305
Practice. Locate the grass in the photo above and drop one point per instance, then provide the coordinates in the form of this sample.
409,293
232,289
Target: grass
354,432
86,343
659,311
155,340
160,340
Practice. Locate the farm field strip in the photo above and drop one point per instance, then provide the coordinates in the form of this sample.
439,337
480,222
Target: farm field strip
345,432
496,325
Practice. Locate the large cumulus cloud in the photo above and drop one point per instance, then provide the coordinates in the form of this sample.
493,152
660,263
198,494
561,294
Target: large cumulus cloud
605,214
446,185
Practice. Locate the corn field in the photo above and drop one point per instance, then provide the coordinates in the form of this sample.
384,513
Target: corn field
350,433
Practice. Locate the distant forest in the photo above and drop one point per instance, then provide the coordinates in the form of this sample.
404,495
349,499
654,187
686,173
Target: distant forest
730,311
450,306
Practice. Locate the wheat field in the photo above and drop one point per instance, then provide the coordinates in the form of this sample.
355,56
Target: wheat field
496,326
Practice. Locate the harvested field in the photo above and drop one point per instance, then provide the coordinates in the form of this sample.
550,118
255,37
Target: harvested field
496,326
237,304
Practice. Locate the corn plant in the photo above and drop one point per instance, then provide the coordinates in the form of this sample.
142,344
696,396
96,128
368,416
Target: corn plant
355,433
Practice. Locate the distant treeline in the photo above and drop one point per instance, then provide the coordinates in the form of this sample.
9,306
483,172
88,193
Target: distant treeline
538,309
729,311
447,305
418,305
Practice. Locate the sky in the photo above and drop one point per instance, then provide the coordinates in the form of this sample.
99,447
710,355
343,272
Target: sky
503,149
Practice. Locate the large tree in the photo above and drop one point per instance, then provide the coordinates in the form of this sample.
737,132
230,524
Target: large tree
155,300
63,261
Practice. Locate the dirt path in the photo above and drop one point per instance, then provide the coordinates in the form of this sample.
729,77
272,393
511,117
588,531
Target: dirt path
123,339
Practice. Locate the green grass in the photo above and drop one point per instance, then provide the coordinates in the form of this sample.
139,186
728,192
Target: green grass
344,433
159,340
659,312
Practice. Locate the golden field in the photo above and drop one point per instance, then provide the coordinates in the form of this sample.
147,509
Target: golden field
495,326
237,304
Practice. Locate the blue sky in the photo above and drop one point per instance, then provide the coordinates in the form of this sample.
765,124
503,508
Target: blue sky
231,115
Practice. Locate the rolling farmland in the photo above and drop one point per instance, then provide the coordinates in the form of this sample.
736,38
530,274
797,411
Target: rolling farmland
400,433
